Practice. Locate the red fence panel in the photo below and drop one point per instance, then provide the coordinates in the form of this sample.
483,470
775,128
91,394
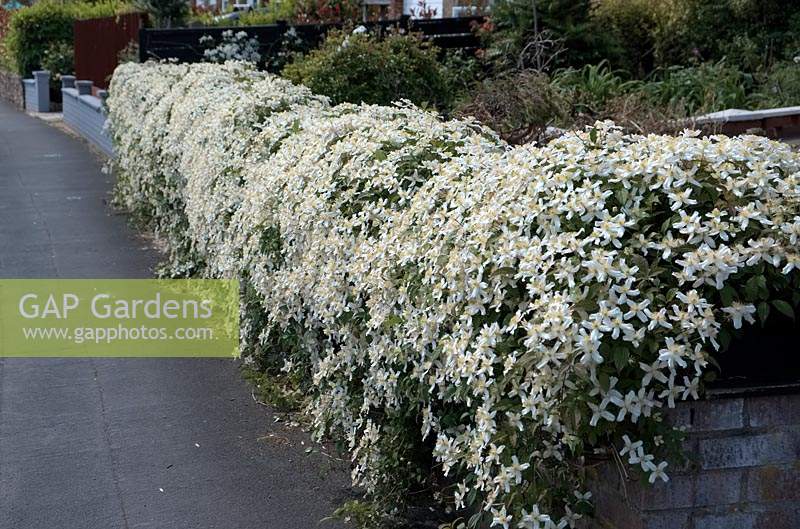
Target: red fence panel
98,42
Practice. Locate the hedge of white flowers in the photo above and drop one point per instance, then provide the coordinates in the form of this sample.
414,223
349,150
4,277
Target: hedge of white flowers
497,311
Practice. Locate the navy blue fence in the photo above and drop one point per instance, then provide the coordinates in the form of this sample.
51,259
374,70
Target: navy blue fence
183,44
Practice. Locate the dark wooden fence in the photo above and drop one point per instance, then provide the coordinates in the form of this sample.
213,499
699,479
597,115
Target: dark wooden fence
98,42
183,44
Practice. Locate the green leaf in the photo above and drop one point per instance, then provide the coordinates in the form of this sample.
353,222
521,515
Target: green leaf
724,339
727,295
784,308
763,312
506,270
473,493
751,289
604,380
761,283
641,262
621,356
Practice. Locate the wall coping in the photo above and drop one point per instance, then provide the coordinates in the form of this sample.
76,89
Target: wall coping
85,113
752,391
89,100
732,115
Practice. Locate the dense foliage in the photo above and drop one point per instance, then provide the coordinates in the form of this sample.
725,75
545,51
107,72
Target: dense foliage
640,36
518,107
492,311
664,102
780,86
59,59
292,11
515,27
360,67
5,15
46,25
165,13
5,61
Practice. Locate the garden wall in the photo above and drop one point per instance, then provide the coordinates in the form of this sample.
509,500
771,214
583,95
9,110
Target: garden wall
37,92
11,88
743,471
84,113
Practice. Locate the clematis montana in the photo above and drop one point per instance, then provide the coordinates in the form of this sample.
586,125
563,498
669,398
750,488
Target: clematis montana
513,307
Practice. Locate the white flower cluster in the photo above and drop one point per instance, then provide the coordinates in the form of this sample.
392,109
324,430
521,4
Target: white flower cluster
234,47
516,305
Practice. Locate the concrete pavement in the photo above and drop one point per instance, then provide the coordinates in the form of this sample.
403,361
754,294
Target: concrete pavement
128,443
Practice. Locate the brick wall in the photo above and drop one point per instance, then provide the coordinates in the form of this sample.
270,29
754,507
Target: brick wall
744,471
11,88
395,9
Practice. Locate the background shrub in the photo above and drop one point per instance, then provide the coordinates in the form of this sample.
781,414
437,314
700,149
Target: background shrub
165,13
32,30
780,87
59,59
515,25
292,11
518,107
47,25
521,106
633,24
363,68
324,11
641,36
707,87
5,59
751,34
276,10
591,86
636,113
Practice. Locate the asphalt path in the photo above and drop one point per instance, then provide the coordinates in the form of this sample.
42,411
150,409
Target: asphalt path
128,443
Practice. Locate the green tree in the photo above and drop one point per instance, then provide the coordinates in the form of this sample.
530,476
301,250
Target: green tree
166,13
520,23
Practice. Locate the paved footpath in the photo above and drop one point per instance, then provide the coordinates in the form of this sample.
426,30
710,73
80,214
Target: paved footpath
127,443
